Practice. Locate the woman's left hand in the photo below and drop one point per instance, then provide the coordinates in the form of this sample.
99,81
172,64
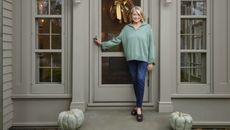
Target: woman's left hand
150,67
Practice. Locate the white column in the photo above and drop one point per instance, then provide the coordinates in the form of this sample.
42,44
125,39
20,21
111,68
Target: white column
167,54
80,54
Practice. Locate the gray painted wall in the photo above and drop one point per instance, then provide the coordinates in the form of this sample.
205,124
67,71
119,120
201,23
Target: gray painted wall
212,108
205,111
221,45
27,105
209,108
7,63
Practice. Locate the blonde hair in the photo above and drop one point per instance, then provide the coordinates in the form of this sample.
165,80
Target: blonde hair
139,12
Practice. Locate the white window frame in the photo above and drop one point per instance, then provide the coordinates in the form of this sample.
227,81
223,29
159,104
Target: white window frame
186,88
46,88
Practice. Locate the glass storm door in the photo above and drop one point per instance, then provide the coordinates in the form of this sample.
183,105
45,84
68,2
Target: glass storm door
111,82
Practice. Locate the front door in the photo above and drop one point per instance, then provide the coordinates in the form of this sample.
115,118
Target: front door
110,79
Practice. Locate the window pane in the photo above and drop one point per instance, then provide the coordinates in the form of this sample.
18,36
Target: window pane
43,25
111,26
43,42
56,57
193,67
45,59
193,34
42,7
115,71
55,7
196,42
48,67
56,41
57,75
56,26
199,7
193,26
186,8
44,33
193,7
44,75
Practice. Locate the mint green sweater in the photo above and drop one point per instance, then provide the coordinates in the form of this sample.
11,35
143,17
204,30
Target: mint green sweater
138,43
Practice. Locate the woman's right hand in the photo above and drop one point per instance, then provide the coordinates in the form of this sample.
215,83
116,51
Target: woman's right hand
98,42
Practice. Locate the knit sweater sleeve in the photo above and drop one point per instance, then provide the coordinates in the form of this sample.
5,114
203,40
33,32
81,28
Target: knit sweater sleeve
151,56
113,42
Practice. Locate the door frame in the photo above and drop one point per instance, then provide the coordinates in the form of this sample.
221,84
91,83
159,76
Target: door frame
94,30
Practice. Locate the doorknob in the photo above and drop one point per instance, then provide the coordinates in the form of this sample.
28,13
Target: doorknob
95,38
168,1
77,1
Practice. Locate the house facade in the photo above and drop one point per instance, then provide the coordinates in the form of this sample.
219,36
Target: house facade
51,64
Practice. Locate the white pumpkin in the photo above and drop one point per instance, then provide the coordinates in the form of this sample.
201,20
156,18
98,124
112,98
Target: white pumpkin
180,121
70,120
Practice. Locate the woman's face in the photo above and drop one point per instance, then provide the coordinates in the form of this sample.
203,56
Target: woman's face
136,17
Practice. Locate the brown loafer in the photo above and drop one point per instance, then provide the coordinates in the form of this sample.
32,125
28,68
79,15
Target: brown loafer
139,117
134,112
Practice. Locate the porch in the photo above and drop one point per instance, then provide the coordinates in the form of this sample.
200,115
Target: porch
112,119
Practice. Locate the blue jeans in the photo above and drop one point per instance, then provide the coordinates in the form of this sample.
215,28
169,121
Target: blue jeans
138,70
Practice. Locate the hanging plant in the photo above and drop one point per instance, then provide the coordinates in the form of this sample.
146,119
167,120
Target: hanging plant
120,10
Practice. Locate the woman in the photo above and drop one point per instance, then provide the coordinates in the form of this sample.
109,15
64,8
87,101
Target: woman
138,43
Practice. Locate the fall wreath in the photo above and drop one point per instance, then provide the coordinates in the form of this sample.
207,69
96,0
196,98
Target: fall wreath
120,10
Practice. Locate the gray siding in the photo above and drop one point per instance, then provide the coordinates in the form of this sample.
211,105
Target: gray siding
1,101
7,63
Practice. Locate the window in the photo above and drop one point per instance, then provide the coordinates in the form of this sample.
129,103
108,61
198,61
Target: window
193,45
48,46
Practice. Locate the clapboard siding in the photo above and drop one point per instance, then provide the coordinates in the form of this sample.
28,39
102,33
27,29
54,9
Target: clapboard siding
7,125
7,94
7,22
7,102
7,85
7,54
7,69
7,14
8,117
7,5
7,63
7,38
8,110
7,30
7,45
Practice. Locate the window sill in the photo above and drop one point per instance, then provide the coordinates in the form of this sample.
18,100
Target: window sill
41,96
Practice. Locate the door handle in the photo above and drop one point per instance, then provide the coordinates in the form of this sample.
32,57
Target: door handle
95,38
